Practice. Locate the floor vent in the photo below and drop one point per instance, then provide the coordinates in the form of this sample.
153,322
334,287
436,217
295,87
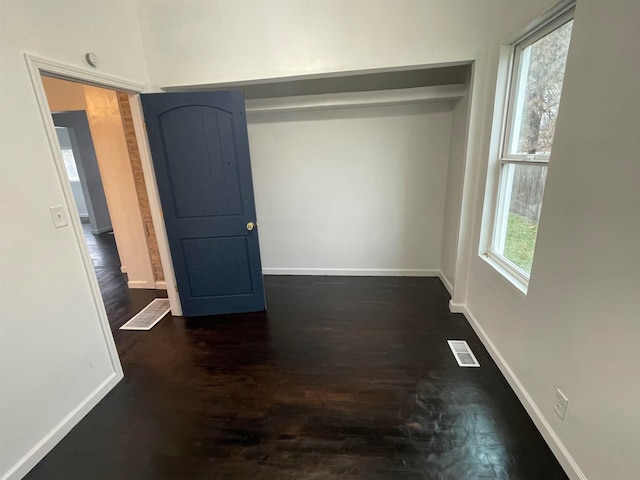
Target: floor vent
462,352
149,315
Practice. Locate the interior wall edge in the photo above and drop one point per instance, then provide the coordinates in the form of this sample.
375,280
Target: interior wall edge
447,283
481,93
319,75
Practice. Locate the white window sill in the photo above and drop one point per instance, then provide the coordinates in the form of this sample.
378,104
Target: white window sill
506,273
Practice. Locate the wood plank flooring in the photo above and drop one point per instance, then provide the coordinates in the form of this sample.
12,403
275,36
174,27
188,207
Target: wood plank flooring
342,378
120,302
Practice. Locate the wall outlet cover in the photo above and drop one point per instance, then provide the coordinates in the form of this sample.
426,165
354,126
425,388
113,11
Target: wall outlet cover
560,405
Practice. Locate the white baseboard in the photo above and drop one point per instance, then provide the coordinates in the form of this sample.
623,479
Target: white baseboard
141,284
557,447
51,439
447,283
456,307
106,229
161,285
123,269
355,272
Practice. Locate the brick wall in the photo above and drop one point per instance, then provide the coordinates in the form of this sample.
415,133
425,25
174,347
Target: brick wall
141,189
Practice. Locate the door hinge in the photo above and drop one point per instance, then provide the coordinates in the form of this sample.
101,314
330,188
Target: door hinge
144,124
176,285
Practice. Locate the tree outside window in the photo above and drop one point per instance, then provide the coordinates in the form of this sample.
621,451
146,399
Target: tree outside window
534,98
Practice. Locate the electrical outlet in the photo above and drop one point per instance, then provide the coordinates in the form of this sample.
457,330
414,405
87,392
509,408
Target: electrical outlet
560,406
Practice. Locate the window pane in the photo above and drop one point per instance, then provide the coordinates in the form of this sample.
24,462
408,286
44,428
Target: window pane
517,225
64,138
538,92
70,164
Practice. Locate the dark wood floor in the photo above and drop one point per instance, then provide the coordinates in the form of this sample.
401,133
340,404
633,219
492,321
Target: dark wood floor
120,302
342,378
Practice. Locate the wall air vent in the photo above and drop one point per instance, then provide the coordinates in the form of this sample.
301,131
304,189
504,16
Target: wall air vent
462,352
149,315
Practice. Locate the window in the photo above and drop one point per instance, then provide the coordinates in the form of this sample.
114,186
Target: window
538,64
70,165
64,138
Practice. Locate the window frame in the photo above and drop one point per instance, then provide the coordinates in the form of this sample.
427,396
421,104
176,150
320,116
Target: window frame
514,83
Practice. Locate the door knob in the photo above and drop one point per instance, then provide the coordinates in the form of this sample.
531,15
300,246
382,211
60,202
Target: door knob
251,226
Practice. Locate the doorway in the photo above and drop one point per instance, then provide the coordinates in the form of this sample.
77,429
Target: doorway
98,145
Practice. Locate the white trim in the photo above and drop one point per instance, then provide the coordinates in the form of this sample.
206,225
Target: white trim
501,215
123,269
35,66
517,87
355,272
446,282
141,284
557,447
65,71
106,229
499,263
456,307
555,11
154,205
161,285
57,433
357,99
492,187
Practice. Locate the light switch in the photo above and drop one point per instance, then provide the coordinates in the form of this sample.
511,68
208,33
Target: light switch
58,215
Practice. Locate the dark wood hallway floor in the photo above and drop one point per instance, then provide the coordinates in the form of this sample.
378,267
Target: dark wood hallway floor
347,378
120,301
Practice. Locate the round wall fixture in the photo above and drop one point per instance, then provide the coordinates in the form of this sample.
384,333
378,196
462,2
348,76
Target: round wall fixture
92,59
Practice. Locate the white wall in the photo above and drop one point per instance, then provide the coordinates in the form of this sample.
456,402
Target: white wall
54,359
356,190
201,43
218,41
454,185
586,266
110,143
578,327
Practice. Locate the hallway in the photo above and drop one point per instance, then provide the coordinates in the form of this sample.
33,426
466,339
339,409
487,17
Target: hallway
120,301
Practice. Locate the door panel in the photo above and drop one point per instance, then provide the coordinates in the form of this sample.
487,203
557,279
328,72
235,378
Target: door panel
200,152
205,160
227,255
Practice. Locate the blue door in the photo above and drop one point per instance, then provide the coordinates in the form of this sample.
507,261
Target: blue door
200,152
